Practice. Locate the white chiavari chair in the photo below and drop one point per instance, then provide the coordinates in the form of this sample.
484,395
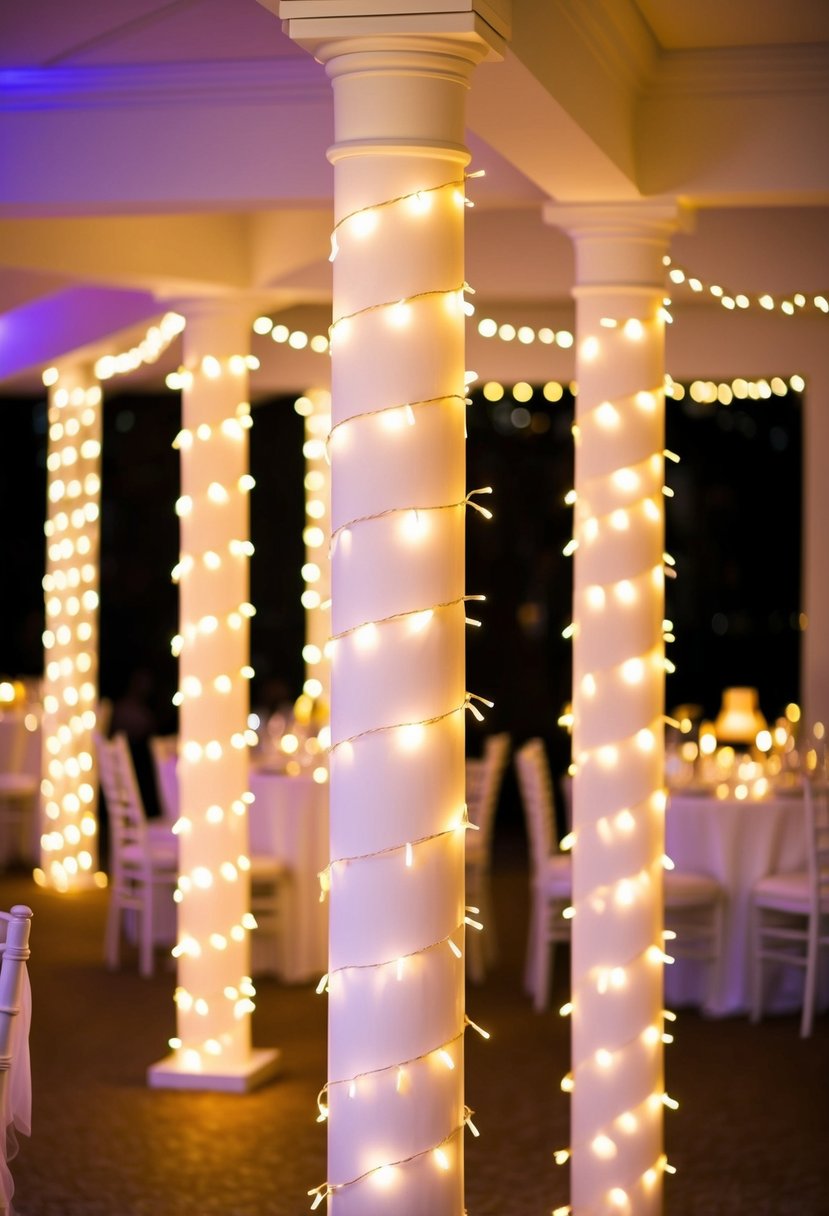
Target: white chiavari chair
141,861
15,1018
550,872
484,777
790,912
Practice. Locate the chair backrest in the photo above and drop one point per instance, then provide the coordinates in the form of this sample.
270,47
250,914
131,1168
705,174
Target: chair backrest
103,716
14,743
164,751
483,785
127,821
816,804
536,788
15,1017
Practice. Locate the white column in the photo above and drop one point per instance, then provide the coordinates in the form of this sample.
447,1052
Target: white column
69,840
396,979
212,1049
617,1161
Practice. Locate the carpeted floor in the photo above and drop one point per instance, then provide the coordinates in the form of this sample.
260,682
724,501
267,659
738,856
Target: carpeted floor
751,1136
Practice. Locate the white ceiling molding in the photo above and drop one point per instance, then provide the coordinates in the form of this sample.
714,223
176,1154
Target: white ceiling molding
741,71
288,81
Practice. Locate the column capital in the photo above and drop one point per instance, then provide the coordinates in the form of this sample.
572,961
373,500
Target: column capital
481,26
225,304
400,69
622,217
620,243
75,372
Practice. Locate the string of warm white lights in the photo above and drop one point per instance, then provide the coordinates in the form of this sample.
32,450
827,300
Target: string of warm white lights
363,220
790,305
399,311
70,584
413,513
241,1001
618,715
399,415
214,997
463,825
411,733
212,368
315,408
390,434
151,347
739,389
398,961
232,426
441,1052
383,1172
419,617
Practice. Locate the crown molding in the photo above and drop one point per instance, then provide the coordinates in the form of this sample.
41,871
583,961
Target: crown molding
741,71
616,36
280,81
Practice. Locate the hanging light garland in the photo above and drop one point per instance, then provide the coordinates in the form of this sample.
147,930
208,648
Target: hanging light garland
798,302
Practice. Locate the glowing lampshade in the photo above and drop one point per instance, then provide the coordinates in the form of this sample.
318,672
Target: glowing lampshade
739,718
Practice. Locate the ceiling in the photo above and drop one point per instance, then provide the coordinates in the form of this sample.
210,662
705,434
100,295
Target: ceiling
155,150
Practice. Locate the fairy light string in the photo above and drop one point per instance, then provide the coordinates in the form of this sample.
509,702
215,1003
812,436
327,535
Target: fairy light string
414,512
69,834
401,316
464,824
403,411
149,349
411,614
620,501
791,305
214,998
322,1192
468,703
441,1052
398,960
364,219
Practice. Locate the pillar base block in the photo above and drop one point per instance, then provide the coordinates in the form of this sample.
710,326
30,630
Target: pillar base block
263,1066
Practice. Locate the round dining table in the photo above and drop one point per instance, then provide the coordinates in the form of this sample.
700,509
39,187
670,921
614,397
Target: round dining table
737,842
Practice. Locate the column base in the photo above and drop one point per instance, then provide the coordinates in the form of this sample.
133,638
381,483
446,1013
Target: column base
262,1067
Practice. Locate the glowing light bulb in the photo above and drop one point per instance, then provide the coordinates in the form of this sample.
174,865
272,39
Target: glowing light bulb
604,1147
414,525
363,223
607,416
412,736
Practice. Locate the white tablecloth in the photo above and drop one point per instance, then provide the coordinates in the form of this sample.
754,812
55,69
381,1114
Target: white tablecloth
737,843
289,820
26,843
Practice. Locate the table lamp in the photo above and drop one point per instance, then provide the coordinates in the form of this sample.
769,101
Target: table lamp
739,718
